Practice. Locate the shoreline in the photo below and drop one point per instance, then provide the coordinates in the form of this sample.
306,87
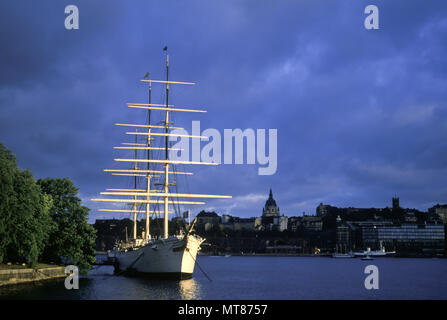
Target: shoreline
322,255
11,276
329,255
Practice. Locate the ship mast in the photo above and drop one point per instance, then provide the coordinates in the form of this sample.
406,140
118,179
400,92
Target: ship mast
166,184
148,178
135,197
143,196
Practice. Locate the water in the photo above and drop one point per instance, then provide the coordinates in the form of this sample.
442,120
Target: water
260,278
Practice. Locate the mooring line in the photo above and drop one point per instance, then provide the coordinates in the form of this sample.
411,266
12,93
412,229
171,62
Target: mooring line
200,267
131,265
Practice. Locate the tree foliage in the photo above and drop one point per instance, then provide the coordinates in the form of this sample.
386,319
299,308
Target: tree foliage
30,222
25,223
42,221
8,169
73,238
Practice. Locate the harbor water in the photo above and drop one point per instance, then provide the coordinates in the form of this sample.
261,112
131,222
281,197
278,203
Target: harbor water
259,278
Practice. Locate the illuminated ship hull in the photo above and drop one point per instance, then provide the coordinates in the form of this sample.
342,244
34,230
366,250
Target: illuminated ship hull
173,257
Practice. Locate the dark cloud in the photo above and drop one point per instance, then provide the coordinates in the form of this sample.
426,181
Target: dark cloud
360,114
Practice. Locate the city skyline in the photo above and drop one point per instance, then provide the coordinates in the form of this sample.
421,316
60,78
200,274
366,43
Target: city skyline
360,114
394,202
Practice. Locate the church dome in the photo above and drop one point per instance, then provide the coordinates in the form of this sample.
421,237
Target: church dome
270,201
270,209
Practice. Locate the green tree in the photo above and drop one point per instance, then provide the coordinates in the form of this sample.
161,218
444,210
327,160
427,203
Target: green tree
8,169
25,223
30,221
73,238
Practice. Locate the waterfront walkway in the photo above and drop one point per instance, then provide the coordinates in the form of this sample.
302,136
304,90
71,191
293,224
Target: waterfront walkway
13,274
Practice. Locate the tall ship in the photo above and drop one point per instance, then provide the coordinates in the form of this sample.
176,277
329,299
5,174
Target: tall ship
155,190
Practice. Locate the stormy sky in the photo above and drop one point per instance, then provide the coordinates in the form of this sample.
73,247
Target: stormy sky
361,114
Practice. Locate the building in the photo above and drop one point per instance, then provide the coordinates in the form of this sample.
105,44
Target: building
342,237
323,210
207,217
271,219
206,221
410,217
244,224
305,223
280,223
406,237
441,211
258,223
312,223
270,209
238,224
226,218
396,205
293,224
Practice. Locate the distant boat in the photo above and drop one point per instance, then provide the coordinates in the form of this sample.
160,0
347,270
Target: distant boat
374,253
343,255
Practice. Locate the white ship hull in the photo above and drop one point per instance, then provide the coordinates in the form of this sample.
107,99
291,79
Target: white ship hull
172,257
343,255
370,253
375,253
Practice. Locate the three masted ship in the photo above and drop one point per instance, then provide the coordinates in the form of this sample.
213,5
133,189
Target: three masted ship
165,255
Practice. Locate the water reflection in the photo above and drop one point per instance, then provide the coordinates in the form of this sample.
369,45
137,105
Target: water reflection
103,284
189,289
